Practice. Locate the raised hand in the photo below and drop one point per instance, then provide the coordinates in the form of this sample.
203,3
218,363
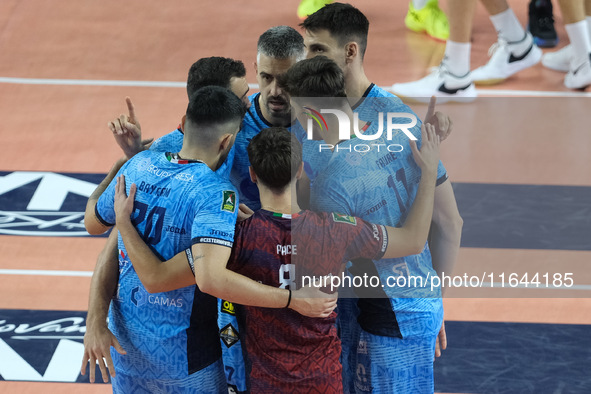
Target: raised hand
428,157
127,131
442,123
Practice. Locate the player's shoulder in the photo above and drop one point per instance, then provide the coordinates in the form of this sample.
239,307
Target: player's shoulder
169,142
381,100
216,187
144,158
376,91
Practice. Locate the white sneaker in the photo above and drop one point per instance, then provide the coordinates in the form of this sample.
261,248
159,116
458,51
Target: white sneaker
579,77
441,84
559,60
503,63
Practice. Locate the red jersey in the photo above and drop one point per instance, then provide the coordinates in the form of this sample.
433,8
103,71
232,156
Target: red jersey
288,352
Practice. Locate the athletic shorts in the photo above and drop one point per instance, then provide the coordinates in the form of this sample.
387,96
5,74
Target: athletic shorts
209,380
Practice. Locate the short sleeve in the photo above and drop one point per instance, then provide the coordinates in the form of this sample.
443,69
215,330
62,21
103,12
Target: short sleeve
368,240
105,206
215,218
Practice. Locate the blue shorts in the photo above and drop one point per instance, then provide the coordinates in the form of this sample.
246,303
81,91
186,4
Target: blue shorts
395,365
209,380
348,330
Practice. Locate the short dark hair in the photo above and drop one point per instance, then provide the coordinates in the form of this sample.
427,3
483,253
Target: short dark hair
281,42
213,71
315,77
213,106
275,156
343,21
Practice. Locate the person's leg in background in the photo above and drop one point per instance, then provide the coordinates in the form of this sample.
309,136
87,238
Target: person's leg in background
514,51
426,16
452,80
561,60
577,29
541,23
308,7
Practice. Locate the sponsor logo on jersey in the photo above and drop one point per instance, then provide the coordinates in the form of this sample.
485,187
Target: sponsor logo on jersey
379,205
45,203
228,201
227,307
175,230
229,335
220,233
340,218
140,297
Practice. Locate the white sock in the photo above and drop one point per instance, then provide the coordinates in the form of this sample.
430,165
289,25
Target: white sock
508,26
578,34
457,57
418,4
589,25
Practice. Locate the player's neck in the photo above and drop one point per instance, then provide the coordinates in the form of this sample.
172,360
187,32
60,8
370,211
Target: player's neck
202,155
356,83
281,203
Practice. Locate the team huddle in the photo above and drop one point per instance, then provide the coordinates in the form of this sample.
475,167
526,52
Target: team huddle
217,222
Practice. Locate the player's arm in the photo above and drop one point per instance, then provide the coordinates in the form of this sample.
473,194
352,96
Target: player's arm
98,339
411,237
446,229
93,224
205,265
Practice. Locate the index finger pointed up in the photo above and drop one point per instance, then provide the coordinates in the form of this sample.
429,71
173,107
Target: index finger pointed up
131,110
430,109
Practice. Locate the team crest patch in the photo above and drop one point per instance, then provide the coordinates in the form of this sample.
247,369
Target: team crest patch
229,335
340,218
229,201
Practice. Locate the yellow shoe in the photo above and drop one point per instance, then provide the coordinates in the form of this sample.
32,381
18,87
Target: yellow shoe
308,7
430,19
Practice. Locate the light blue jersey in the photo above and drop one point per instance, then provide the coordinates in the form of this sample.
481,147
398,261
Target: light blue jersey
178,203
380,187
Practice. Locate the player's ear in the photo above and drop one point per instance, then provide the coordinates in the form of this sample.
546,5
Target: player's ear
300,170
253,176
225,142
256,68
351,51
183,123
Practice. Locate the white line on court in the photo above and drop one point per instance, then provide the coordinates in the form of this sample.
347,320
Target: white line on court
46,273
172,84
